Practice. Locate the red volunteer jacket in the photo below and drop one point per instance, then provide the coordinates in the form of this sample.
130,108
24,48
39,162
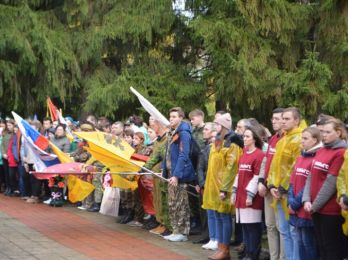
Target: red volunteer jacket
327,161
249,165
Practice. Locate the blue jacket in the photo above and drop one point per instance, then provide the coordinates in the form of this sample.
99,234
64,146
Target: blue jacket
181,165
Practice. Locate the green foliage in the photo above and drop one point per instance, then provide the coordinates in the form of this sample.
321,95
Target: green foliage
248,56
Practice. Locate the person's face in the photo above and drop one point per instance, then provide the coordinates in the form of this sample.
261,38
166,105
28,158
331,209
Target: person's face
248,138
321,129
10,126
91,120
151,121
218,128
207,133
34,126
240,128
55,124
116,129
128,139
277,121
217,115
152,134
136,140
46,124
59,131
288,121
308,141
174,119
330,134
196,121
15,129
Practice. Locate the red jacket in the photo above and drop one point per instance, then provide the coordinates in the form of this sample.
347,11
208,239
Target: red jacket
249,166
10,157
298,180
327,161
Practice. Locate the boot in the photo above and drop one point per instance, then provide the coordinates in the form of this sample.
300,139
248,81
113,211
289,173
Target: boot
128,216
222,253
95,208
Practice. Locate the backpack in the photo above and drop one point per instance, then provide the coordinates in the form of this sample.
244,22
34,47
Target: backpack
195,151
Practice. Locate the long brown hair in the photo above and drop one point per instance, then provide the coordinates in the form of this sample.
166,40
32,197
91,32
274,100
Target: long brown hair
256,136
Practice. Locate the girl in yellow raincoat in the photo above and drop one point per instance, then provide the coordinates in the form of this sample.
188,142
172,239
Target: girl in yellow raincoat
222,168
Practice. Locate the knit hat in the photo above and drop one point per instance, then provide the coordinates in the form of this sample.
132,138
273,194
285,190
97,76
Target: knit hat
225,120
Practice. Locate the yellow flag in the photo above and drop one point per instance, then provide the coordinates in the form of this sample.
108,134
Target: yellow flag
113,152
78,189
62,157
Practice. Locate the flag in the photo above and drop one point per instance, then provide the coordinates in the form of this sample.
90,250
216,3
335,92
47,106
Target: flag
151,109
36,143
52,109
115,154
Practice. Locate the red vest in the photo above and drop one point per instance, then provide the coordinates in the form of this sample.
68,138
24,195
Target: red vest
249,165
327,161
298,180
270,152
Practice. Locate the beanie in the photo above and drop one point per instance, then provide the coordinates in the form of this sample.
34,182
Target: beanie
225,120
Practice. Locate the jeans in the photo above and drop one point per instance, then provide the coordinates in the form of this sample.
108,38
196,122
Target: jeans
212,224
284,230
24,181
13,179
304,245
223,227
252,233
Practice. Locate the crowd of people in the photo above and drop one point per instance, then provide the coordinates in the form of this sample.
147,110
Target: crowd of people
219,182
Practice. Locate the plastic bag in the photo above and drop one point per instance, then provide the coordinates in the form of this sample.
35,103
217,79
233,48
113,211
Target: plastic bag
111,202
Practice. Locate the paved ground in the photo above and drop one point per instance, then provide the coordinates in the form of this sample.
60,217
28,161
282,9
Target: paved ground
42,232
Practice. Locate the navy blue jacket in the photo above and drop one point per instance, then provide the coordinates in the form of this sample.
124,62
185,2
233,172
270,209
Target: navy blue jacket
181,165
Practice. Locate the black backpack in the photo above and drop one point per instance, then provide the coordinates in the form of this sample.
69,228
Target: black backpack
195,151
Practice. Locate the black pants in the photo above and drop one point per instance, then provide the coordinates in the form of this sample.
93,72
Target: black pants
2,176
331,241
36,184
252,239
6,173
13,178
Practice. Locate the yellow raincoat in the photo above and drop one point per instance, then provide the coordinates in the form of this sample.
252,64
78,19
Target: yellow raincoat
222,169
288,149
342,188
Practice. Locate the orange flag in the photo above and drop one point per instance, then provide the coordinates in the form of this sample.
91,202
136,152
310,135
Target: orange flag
52,109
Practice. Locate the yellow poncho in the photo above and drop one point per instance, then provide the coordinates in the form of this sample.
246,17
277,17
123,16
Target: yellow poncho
342,188
222,169
288,149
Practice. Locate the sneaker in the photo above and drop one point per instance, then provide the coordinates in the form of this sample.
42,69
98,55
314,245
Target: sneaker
177,238
134,223
33,200
82,208
24,198
211,245
158,230
47,201
168,236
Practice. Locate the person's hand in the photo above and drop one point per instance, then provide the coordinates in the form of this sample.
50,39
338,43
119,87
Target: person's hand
248,201
308,206
291,211
198,189
26,167
4,156
262,189
343,205
233,198
275,193
173,181
222,195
